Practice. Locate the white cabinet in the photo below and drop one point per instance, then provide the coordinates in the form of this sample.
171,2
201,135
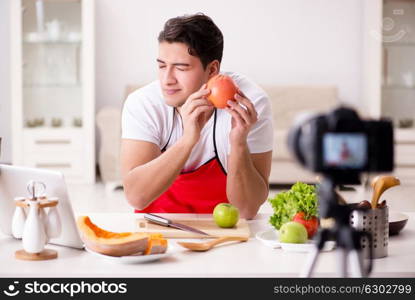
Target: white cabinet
388,60
53,97
405,155
57,149
388,81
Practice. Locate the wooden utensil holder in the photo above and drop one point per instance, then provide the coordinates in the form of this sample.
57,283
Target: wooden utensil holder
45,254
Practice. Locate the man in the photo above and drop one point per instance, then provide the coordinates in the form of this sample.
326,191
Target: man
181,155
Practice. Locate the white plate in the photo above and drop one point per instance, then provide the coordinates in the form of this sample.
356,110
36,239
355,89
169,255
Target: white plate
307,247
270,239
134,259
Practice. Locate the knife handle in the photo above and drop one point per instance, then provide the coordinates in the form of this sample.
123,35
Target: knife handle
157,219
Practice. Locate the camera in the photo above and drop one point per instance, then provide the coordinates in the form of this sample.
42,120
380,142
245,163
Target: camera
340,145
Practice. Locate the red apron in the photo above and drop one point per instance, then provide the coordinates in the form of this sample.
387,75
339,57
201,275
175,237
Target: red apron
198,191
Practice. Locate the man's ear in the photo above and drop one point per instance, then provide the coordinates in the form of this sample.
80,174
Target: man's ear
213,68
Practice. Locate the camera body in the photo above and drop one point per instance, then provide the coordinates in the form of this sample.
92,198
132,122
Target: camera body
340,145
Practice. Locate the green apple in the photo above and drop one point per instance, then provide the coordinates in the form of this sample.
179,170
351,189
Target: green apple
226,215
293,232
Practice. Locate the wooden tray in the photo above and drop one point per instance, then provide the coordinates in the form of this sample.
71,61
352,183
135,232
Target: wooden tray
24,203
207,225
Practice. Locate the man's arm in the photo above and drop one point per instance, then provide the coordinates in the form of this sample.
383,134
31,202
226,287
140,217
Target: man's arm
247,181
147,173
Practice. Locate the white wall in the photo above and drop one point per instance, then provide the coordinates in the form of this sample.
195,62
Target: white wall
5,106
271,41
285,42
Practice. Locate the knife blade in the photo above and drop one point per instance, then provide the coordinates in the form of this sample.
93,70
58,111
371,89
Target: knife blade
169,223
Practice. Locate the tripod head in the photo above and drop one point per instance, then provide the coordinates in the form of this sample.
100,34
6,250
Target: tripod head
329,206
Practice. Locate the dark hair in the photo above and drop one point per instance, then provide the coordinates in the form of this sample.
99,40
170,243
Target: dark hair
199,33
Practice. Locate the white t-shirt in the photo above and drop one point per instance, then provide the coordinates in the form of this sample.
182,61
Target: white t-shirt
147,117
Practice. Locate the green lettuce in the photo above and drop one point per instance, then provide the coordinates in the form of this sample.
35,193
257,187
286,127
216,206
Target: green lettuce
301,197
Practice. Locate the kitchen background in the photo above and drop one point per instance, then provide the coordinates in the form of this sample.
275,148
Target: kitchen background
273,42
60,106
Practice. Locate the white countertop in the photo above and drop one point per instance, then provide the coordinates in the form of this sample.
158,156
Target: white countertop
248,259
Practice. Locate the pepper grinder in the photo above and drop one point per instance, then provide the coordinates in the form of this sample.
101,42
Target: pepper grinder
35,229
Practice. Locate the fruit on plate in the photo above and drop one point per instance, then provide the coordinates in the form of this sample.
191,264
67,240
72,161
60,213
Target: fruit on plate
286,205
222,88
310,223
226,215
118,244
156,244
111,243
293,232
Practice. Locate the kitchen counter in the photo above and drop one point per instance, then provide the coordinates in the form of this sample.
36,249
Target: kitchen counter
248,259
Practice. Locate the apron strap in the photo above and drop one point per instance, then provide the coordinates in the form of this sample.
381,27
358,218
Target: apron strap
171,132
214,142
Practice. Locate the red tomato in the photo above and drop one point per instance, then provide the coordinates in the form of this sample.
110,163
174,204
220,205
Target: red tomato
311,224
222,88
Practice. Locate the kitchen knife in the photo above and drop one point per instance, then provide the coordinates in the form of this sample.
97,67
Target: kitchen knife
169,223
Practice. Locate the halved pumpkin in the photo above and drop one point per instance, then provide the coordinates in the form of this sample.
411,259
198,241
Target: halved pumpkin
156,245
111,243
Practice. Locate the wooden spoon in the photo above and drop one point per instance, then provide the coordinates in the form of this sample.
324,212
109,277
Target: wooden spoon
374,181
209,245
381,184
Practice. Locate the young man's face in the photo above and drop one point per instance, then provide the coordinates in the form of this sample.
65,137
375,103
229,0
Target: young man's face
180,73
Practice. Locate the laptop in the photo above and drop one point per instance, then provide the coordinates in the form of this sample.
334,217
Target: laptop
13,183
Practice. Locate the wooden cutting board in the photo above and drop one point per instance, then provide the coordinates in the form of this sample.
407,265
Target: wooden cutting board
207,225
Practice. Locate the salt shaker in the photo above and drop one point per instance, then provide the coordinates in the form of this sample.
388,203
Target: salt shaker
34,236
19,219
43,216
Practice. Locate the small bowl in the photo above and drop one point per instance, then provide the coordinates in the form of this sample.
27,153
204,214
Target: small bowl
397,222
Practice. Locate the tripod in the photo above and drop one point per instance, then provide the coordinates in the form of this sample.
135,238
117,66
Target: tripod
346,237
